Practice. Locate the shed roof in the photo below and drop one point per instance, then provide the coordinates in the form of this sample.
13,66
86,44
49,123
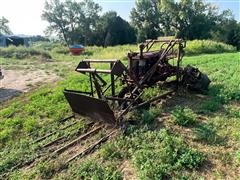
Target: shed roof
13,36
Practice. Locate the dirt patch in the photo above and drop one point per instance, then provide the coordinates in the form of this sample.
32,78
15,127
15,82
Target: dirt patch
16,82
129,173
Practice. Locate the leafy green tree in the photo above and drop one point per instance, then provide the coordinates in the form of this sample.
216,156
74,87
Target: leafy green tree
54,13
80,22
146,19
190,19
112,30
87,19
102,28
72,21
233,33
4,28
227,29
187,19
117,30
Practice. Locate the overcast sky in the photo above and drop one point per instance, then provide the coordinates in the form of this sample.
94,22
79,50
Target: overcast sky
25,15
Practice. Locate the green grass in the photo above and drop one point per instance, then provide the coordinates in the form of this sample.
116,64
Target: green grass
155,154
88,170
183,116
207,133
22,52
93,170
211,105
207,47
164,156
194,47
55,58
206,129
47,50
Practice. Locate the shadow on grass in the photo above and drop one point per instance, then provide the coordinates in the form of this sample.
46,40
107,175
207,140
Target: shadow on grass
6,94
207,134
203,103
204,106
217,98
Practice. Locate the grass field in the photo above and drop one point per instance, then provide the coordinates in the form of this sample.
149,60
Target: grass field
190,136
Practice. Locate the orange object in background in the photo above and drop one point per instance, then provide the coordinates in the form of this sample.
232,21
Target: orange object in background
76,49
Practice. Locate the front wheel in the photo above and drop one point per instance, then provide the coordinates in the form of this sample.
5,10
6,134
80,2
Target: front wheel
124,93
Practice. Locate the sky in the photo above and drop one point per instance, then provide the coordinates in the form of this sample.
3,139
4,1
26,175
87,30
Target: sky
25,15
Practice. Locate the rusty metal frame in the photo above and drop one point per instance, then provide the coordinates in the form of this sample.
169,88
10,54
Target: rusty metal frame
117,69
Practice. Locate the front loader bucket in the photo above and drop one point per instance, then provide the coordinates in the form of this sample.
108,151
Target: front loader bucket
96,109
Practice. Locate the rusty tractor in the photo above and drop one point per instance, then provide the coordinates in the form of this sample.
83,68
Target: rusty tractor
157,62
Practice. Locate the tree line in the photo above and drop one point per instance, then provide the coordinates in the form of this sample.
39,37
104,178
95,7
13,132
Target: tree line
83,22
187,19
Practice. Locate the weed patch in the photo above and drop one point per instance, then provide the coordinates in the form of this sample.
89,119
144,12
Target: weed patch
207,46
110,152
157,154
233,111
93,170
13,155
183,116
30,125
149,116
47,170
22,53
61,50
169,155
207,133
190,159
209,106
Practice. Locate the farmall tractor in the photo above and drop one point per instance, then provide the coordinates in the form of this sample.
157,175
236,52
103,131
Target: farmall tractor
157,62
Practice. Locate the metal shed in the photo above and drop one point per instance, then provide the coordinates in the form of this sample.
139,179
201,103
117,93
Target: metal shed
15,40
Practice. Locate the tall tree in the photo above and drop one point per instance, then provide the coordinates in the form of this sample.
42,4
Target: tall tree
54,13
195,19
227,29
4,28
116,30
190,19
146,19
72,21
111,30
